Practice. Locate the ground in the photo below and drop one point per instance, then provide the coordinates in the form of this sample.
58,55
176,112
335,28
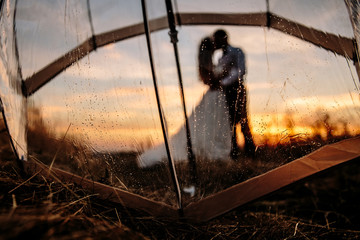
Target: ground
323,207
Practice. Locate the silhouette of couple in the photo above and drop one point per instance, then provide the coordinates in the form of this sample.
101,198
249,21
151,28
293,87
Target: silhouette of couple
214,120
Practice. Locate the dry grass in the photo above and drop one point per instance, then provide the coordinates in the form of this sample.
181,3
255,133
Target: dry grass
33,206
120,170
325,207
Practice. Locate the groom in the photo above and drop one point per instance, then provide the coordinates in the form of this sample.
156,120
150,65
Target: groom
231,67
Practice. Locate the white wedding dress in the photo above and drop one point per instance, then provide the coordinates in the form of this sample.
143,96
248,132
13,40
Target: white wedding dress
210,134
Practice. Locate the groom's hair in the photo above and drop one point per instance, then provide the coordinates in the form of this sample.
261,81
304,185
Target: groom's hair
220,37
220,33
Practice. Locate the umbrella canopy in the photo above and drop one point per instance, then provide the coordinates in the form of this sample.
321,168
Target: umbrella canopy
110,91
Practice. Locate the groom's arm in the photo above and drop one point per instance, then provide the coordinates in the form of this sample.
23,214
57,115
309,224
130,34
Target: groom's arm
231,78
237,71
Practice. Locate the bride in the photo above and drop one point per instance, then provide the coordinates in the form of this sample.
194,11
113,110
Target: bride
209,122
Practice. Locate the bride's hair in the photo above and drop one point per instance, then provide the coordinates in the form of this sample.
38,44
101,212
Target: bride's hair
206,50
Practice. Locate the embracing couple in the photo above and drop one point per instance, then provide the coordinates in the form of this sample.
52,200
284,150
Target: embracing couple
214,120
228,76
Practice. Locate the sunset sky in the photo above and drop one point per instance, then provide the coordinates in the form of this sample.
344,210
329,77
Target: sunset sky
108,97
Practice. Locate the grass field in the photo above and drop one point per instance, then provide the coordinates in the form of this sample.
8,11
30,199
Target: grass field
324,207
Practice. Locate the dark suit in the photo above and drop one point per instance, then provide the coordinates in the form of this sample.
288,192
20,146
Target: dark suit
232,66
